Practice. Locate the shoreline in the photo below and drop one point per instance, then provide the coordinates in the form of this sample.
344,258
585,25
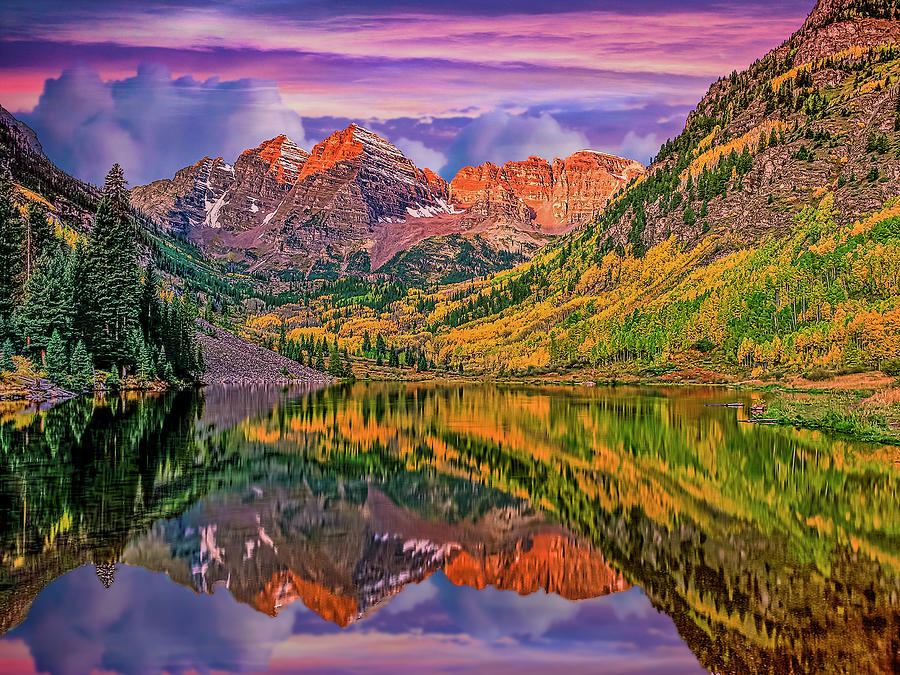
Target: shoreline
865,407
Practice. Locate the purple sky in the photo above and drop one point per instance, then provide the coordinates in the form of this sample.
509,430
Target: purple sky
145,623
156,85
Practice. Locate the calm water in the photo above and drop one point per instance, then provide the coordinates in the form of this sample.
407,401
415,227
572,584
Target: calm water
442,529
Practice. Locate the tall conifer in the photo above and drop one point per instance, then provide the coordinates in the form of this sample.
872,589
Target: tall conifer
112,249
11,241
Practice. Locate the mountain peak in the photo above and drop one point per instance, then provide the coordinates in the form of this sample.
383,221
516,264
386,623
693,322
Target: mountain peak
284,157
831,11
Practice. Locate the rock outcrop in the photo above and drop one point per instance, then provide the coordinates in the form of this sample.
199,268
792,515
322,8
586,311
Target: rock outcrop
355,202
555,197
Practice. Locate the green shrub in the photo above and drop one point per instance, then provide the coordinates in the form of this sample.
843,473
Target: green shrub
891,367
703,345
818,374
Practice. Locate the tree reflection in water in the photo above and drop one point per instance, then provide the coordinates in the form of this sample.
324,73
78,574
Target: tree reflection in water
772,550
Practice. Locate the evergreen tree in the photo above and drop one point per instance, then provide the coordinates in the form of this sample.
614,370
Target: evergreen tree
39,235
320,361
143,363
367,343
162,366
347,368
11,243
422,363
55,360
335,368
149,303
84,325
112,248
394,360
81,369
282,337
49,302
6,357
113,382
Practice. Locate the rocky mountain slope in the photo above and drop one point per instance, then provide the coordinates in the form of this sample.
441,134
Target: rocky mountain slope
230,359
22,155
815,114
355,203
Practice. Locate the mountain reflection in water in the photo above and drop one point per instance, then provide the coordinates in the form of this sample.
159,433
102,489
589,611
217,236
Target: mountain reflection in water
399,513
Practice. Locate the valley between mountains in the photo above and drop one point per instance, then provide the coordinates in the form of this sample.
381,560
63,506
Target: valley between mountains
761,245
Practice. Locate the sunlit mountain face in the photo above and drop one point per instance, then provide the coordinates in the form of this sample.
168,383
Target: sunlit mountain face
403,527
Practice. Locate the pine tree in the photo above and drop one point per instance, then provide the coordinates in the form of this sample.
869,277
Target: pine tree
367,343
161,363
143,362
55,360
49,302
11,243
81,369
320,360
84,315
39,235
394,359
346,368
6,357
113,252
334,362
422,363
149,303
282,337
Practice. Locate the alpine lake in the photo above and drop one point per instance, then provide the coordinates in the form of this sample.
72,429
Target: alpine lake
440,528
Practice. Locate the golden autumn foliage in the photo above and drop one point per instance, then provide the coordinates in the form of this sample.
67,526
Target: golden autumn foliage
709,158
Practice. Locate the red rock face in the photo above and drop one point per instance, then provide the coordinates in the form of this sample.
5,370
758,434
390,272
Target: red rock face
439,187
263,176
355,200
584,182
376,182
557,196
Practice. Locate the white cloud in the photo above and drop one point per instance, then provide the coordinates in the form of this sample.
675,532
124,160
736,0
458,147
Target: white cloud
500,137
641,148
153,124
421,155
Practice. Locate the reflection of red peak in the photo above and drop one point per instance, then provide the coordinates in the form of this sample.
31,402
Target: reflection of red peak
286,587
550,562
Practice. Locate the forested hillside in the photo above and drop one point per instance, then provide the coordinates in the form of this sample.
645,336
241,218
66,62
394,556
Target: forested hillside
766,236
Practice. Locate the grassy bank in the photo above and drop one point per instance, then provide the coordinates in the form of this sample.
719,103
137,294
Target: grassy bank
871,417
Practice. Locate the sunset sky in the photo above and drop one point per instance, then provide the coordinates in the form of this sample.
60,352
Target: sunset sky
156,85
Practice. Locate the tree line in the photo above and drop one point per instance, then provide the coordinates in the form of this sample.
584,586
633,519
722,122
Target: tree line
76,304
